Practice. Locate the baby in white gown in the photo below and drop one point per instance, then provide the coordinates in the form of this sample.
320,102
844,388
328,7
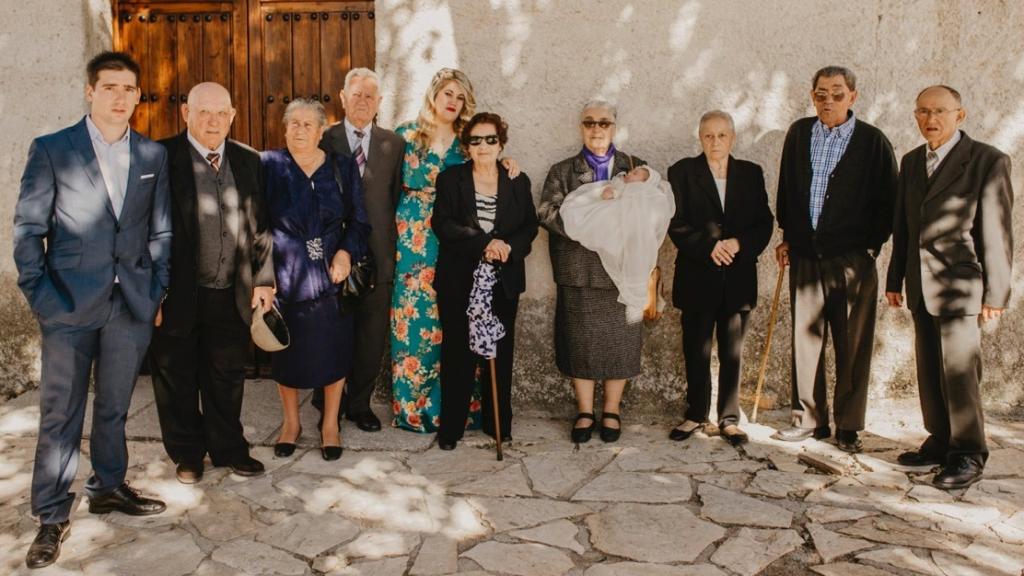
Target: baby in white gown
625,221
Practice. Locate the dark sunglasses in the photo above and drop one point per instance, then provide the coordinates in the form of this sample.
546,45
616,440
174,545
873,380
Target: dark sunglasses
604,124
824,96
491,139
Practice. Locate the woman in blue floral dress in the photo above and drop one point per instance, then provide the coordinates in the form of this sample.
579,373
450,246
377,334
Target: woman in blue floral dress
431,145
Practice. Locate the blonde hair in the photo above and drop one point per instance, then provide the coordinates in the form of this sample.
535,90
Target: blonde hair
426,123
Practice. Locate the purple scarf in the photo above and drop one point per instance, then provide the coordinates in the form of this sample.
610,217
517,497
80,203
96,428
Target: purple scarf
601,165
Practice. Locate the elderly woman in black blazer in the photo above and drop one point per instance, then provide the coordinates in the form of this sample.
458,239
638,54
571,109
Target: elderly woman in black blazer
481,214
721,225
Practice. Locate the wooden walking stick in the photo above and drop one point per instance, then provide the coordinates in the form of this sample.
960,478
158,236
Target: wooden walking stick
767,343
494,400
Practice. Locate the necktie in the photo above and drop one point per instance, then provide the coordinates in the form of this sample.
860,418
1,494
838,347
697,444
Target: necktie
214,159
360,155
931,162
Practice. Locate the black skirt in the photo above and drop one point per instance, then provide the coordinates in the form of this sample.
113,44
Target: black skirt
592,339
321,348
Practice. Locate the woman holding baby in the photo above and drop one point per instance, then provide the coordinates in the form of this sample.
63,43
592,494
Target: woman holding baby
593,340
722,223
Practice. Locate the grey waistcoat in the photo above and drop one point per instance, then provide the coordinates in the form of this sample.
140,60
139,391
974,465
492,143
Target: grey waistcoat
218,221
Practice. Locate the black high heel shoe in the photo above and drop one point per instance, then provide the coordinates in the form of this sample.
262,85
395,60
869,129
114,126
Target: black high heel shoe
610,434
581,435
286,449
329,452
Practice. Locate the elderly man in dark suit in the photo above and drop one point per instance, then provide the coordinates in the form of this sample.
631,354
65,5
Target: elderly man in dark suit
221,271
378,153
953,250
721,225
837,189
92,242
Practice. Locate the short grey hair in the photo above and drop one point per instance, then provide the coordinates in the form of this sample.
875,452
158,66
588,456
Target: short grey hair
360,73
305,104
598,103
720,114
829,71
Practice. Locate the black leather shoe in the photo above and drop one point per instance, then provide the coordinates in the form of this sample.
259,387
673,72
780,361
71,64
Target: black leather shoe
446,444
330,452
848,441
286,449
733,435
920,458
581,435
797,434
247,466
960,473
189,471
126,500
45,549
366,421
610,434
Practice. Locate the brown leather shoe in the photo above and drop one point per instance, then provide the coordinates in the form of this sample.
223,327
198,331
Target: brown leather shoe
189,472
45,549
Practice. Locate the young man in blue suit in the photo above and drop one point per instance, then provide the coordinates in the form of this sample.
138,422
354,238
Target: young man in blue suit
92,243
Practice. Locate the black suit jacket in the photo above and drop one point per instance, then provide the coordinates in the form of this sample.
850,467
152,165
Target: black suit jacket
382,185
463,241
952,234
253,259
700,221
859,199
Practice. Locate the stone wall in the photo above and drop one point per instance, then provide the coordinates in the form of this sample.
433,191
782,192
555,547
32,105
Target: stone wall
665,62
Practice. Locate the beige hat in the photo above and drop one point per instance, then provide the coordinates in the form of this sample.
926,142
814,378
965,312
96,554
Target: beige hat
269,331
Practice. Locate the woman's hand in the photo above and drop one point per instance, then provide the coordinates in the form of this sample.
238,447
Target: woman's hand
724,251
512,166
341,266
497,250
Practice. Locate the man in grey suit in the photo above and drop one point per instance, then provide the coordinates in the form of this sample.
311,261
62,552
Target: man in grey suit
92,241
953,250
378,153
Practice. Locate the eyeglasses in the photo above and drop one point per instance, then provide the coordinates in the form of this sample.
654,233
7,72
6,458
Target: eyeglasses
926,112
604,124
824,96
491,139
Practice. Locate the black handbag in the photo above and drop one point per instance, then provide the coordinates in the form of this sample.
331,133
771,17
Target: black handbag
362,278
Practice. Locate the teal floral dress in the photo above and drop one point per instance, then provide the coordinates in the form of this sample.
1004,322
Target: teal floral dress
415,324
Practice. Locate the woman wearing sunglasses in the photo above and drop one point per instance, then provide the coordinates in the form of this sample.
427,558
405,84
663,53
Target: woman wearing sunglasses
481,215
593,340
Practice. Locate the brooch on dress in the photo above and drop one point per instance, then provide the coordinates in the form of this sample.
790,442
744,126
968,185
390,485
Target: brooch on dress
315,249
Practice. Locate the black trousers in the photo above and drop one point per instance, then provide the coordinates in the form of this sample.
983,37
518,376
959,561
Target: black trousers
948,352
699,326
459,366
371,330
839,295
198,381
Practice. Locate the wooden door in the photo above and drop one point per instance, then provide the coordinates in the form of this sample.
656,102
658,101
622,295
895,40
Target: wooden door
305,49
178,45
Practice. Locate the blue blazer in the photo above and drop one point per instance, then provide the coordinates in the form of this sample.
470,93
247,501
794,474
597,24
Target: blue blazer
69,245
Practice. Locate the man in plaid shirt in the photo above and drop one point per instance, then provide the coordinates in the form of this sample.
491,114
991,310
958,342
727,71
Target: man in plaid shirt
837,190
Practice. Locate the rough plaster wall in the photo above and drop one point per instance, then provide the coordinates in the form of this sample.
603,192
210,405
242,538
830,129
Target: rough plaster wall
46,44
667,61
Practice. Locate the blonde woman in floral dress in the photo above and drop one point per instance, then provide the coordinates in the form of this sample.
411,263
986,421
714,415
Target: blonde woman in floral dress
431,145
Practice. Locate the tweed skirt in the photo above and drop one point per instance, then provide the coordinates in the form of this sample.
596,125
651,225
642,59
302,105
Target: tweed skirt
592,339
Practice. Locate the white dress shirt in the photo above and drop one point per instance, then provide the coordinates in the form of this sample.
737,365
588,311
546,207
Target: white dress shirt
353,140
114,160
203,150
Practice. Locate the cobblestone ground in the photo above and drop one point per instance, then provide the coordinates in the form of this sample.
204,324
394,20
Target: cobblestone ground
645,506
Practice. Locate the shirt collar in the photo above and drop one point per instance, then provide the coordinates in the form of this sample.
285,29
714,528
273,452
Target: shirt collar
97,136
350,129
844,129
943,151
203,150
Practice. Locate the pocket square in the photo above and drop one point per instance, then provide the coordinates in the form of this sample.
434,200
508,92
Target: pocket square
147,176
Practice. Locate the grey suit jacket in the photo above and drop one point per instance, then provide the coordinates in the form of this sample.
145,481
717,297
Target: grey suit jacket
571,263
952,233
382,186
69,245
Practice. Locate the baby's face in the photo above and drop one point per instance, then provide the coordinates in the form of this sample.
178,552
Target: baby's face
638,174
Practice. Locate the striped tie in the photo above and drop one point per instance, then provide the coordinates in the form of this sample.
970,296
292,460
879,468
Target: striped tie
360,155
931,162
214,159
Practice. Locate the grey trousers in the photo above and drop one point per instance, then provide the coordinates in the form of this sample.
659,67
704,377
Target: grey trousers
69,353
837,295
948,351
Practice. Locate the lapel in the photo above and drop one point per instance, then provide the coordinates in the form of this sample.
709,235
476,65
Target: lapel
504,196
706,181
468,192
584,175
134,172
82,144
953,166
183,183
803,150
917,180
375,156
